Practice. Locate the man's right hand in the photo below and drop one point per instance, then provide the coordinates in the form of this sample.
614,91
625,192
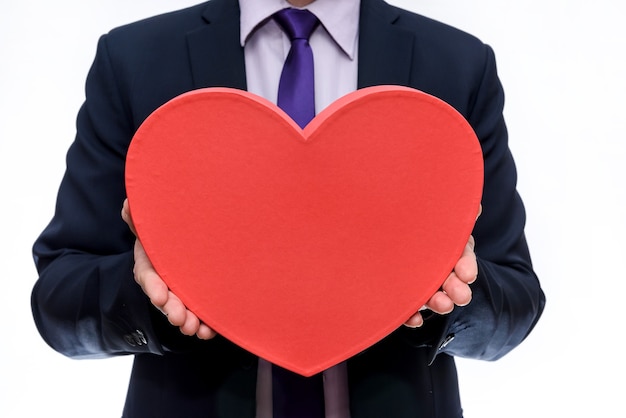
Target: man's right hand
158,292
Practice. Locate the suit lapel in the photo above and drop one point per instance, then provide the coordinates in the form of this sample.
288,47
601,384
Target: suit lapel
216,56
385,50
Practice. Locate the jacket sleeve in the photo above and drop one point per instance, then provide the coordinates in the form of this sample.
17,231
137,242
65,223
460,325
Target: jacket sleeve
86,302
507,298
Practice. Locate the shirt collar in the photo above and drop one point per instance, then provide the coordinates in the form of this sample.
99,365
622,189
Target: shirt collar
340,18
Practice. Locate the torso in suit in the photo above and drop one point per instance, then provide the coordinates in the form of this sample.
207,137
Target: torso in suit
86,303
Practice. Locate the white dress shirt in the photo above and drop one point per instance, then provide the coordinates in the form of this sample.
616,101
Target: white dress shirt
335,48
334,44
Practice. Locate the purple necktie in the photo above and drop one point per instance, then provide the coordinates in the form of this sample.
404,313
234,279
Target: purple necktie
295,396
296,91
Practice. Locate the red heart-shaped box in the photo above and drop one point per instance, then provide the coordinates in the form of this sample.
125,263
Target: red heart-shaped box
304,247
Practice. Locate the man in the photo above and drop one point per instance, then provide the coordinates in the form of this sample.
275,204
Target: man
98,295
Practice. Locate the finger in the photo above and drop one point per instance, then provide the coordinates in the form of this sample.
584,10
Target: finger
154,288
466,268
204,332
457,290
147,277
175,311
126,216
480,211
471,244
191,324
440,303
415,321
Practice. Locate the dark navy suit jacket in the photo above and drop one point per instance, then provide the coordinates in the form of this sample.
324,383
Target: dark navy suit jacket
86,303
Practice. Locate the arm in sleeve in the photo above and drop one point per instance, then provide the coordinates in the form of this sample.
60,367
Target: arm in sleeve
507,298
85,302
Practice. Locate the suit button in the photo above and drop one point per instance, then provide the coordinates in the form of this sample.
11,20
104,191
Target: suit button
135,338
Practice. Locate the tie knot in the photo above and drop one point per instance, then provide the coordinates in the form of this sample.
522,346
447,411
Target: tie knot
297,23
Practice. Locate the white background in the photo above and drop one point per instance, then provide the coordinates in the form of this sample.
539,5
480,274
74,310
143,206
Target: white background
561,63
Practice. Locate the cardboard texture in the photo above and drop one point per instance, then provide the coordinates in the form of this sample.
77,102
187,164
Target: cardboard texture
304,247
